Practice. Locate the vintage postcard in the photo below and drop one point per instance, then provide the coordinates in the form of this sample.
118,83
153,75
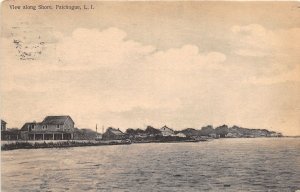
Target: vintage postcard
141,96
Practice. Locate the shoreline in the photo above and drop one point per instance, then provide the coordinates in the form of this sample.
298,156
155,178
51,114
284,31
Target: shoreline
58,144
78,143
14,145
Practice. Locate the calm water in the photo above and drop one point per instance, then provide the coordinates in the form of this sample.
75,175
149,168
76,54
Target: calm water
264,164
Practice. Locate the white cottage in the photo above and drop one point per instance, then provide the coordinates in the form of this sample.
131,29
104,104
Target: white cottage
166,131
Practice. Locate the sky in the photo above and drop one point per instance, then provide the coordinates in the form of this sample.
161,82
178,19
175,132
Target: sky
133,64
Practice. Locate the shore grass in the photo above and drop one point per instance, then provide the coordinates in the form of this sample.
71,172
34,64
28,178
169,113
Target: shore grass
60,144
82,143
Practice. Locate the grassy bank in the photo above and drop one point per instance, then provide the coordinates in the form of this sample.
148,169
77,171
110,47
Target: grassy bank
82,143
60,144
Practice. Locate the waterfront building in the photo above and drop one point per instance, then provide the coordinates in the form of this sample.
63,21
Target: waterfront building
9,134
166,131
51,128
113,134
27,129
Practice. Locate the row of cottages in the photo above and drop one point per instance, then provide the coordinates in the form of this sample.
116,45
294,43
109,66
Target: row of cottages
51,128
117,134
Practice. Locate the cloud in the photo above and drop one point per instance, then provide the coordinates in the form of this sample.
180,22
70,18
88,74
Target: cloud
89,49
134,70
106,72
288,76
250,40
186,58
276,51
106,77
256,41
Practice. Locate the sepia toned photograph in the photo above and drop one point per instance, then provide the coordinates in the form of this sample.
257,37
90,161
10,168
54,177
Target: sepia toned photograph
142,96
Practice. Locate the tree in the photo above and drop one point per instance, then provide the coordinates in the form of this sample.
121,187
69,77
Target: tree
130,131
222,131
206,131
190,132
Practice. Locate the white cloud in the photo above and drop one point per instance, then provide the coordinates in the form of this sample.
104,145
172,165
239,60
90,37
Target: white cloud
126,69
276,50
186,58
256,41
91,49
288,76
104,76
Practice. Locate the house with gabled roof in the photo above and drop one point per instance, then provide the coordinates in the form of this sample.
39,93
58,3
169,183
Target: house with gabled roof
51,128
166,131
113,134
26,129
28,126
57,123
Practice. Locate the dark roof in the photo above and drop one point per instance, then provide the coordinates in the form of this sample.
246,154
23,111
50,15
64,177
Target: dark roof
115,131
3,122
56,120
25,126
